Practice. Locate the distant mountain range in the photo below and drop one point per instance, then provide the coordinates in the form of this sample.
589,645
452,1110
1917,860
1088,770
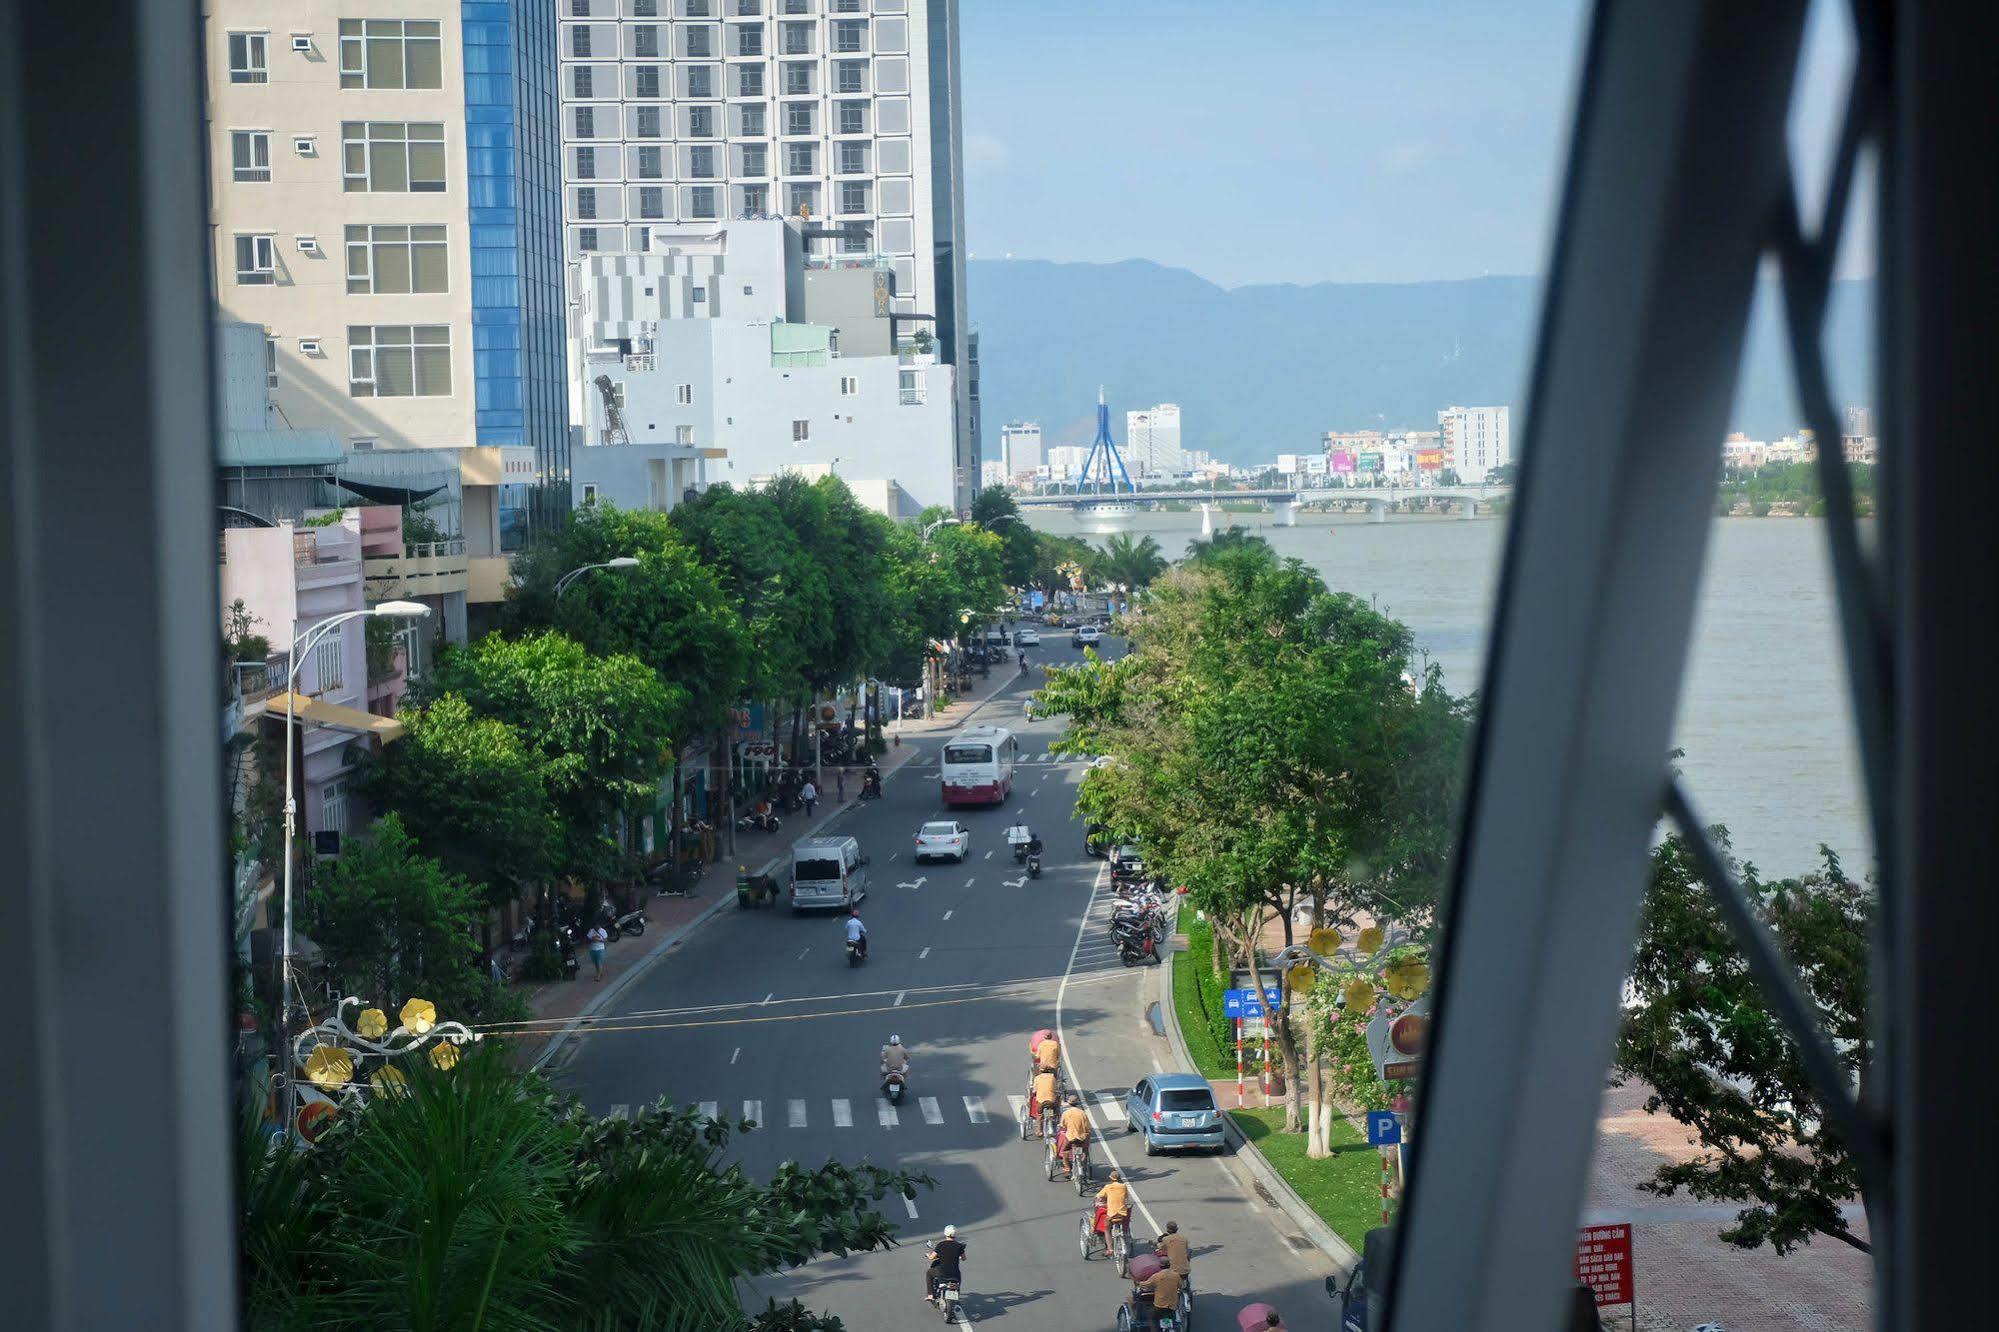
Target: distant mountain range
1264,370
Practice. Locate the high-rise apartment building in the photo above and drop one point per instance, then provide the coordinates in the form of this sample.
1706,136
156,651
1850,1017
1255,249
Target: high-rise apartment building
843,114
1475,440
1020,447
1152,441
386,204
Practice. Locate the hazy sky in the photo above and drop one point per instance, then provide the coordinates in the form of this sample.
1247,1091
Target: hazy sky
1282,140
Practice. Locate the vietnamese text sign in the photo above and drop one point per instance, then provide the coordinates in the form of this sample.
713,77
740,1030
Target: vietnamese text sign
1603,1262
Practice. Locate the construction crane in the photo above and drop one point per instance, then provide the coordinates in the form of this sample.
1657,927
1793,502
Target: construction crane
614,415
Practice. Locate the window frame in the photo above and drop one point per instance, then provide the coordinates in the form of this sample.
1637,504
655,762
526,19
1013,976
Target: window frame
683,395
268,268
801,430
367,143
355,44
252,138
373,347
370,246
256,64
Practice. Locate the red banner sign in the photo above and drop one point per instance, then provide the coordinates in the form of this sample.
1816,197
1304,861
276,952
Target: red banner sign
1603,1262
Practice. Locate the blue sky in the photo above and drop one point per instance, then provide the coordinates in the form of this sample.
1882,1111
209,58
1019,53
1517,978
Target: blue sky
1281,140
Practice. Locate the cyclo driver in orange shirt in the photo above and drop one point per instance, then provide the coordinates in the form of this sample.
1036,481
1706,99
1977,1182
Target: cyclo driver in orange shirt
1074,1128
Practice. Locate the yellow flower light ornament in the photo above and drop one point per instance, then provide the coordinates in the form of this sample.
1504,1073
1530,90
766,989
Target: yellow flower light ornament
372,1023
1358,996
386,1080
444,1055
1302,978
1368,942
419,1015
1325,941
329,1066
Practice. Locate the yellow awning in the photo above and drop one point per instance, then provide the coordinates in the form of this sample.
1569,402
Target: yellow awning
334,717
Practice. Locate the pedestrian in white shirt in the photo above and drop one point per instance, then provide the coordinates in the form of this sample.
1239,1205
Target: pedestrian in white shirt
810,795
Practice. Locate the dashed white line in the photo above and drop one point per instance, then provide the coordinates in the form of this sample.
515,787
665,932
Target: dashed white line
975,1109
969,882
900,995
737,1055
925,953
754,1110
947,915
803,951
932,1112
772,995
1035,792
843,1113
1112,1108
794,1114
909,1203
886,1113
989,855
709,1109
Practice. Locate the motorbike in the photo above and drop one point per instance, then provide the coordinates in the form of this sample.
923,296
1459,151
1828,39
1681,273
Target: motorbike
857,951
892,1087
632,924
871,784
759,821
1137,948
947,1298
1020,853
1033,865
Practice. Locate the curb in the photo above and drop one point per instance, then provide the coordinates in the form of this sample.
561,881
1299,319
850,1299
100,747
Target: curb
1308,1221
724,897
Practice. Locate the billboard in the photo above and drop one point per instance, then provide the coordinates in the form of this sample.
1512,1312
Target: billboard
1342,461
1367,462
1429,460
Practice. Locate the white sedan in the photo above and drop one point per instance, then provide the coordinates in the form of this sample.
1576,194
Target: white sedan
1026,638
943,841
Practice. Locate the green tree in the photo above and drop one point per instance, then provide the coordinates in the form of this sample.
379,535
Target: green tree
481,1199
1203,549
472,792
1701,1034
1131,565
975,562
392,922
600,724
1054,556
994,509
783,598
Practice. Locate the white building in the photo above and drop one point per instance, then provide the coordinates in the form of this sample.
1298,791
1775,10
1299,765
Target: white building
729,339
993,473
1152,441
387,211
1066,461
1475,440
1021,453
843,114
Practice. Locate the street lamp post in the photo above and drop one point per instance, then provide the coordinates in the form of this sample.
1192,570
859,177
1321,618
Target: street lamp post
562,584
302,644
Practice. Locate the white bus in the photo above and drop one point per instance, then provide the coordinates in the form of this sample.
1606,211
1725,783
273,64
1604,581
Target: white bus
977,767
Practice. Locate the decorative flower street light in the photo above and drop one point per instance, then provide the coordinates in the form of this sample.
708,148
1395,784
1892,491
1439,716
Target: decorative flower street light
335,1061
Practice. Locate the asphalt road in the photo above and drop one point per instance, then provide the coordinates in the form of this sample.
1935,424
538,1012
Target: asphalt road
758,1013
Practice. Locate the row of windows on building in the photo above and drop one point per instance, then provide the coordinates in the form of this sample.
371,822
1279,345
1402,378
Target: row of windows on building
706,162
708,41
374,53
849,78
718,8
890,116
854,198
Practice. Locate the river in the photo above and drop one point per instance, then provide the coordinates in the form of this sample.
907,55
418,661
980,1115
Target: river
1764,720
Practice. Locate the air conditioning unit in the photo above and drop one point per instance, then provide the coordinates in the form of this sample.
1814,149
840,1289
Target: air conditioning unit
310,347
305,146
302,43
306,244
360,445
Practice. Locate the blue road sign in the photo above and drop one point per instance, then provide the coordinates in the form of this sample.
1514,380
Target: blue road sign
1243,1004
1384,1128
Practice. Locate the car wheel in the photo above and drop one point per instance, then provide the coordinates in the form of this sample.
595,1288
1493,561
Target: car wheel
1151,1147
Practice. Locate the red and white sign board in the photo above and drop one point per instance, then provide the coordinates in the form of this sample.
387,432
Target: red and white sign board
1603,1262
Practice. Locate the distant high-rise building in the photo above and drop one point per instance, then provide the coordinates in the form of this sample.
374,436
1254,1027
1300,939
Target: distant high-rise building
1475,440
385,203
1152,441
840,114
1020,447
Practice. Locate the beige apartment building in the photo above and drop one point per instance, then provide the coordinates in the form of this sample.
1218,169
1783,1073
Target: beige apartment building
385,205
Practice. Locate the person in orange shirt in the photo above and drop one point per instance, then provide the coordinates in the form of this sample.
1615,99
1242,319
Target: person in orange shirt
1164,1288
1046,1096
1113,1207
1074,1130
1048,1056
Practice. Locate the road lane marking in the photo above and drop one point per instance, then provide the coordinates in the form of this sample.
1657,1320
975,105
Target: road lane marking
709,1110
621,1112
893,854
886,1113
975,1109
843,1113
1035,792
947,915
899,995
909,1203
925,953
1068,1051
772,995
1019,1104
932,1112
989,855
803,951
969,882
1112,1108
794,1113
1155,1065
737,1055
754,1110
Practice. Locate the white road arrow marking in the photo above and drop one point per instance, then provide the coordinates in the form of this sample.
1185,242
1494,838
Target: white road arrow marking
1019,1104
910,1203
1014,883
918,884
1110,1107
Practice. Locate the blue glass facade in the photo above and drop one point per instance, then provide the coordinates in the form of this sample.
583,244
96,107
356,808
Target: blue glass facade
514,185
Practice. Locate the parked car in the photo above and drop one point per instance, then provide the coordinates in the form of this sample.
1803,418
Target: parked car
1025,637
1096,839
1087,635
943,840
1174,1110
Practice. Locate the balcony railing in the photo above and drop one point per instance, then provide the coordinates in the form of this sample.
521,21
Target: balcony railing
912,397
910,353
639,362
430,550
847,261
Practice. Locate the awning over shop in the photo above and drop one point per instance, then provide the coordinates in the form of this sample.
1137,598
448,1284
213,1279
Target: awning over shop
336,718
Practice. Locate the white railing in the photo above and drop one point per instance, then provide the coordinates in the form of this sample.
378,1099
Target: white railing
432,550
639,362
912,397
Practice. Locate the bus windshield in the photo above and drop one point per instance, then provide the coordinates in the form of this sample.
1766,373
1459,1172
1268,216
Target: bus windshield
968,753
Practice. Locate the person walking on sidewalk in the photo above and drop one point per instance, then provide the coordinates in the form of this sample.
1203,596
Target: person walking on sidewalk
598,937
810,795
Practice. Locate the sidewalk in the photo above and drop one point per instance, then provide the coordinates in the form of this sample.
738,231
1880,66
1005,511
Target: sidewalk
672,919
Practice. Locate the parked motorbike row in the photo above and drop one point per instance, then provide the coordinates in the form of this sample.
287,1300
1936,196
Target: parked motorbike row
1138,923
563,924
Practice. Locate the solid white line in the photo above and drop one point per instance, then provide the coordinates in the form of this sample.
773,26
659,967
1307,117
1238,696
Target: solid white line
898,997
885,1113
910,1203
737,1055
754,1110
772,995
975,1109
947,915
1155,1065
621,1112
843,1114
925,953
794,1113
932,1112
709,1109
1068,1053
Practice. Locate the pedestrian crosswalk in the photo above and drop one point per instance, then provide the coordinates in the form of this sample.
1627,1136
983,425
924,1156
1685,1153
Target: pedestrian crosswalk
929,1111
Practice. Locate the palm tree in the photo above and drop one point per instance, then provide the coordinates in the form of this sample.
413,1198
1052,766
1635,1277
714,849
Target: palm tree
1131,564
1202,549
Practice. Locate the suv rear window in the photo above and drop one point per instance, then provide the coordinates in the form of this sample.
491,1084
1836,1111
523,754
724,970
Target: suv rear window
816,869
1193,1098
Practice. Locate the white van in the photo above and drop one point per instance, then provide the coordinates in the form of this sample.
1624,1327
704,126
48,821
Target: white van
827,872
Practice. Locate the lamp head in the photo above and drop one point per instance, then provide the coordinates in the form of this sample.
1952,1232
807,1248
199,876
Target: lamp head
411,609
